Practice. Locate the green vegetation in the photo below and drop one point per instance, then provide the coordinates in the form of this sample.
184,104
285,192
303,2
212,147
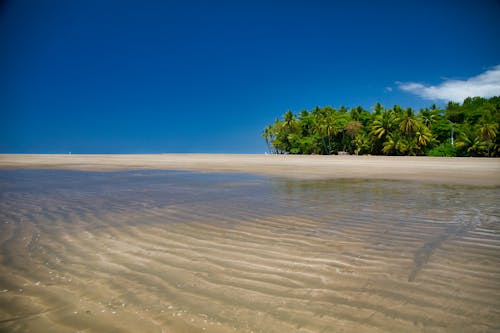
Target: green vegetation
469,129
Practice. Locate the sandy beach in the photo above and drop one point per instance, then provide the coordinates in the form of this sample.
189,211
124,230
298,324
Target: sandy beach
467,171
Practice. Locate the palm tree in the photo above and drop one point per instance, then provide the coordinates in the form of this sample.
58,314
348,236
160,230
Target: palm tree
289,119
306,123
428,117
476,146
361,143
411,146
267,135
319,130
278,142
424,135
488,132
383,124
333,125
407,122
391,144
378,109
470,141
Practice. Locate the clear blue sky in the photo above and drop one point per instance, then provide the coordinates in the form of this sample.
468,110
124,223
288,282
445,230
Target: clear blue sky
98,76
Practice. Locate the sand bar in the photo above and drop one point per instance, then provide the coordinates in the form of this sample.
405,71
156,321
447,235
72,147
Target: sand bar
467,171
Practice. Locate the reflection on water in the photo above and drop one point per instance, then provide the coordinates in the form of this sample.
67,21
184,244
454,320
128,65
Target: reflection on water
159,251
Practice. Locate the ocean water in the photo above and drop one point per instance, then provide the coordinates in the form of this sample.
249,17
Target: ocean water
172,251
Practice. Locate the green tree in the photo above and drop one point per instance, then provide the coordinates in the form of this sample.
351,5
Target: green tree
488,132
428,117
352,129
468,129
408,122
393,144
362,143
384,124
378,109
469,142
423,136
267,134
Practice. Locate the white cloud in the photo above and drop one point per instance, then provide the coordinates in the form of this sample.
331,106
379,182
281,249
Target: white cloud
486,84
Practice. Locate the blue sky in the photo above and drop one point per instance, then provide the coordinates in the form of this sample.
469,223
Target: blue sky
207,76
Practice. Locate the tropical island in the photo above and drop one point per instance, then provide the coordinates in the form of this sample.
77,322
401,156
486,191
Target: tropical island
467,129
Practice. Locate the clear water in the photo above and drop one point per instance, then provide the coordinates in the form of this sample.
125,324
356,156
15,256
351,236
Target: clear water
166,251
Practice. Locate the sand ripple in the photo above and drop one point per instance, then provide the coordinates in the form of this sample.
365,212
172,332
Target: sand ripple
193,254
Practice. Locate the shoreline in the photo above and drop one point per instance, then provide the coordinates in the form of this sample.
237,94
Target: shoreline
446,170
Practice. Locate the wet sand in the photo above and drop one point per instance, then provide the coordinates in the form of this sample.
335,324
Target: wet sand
169,251
479,171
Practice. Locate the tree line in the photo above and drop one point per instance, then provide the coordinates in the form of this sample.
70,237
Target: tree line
467,129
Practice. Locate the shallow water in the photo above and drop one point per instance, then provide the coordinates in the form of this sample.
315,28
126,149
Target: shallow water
158,251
